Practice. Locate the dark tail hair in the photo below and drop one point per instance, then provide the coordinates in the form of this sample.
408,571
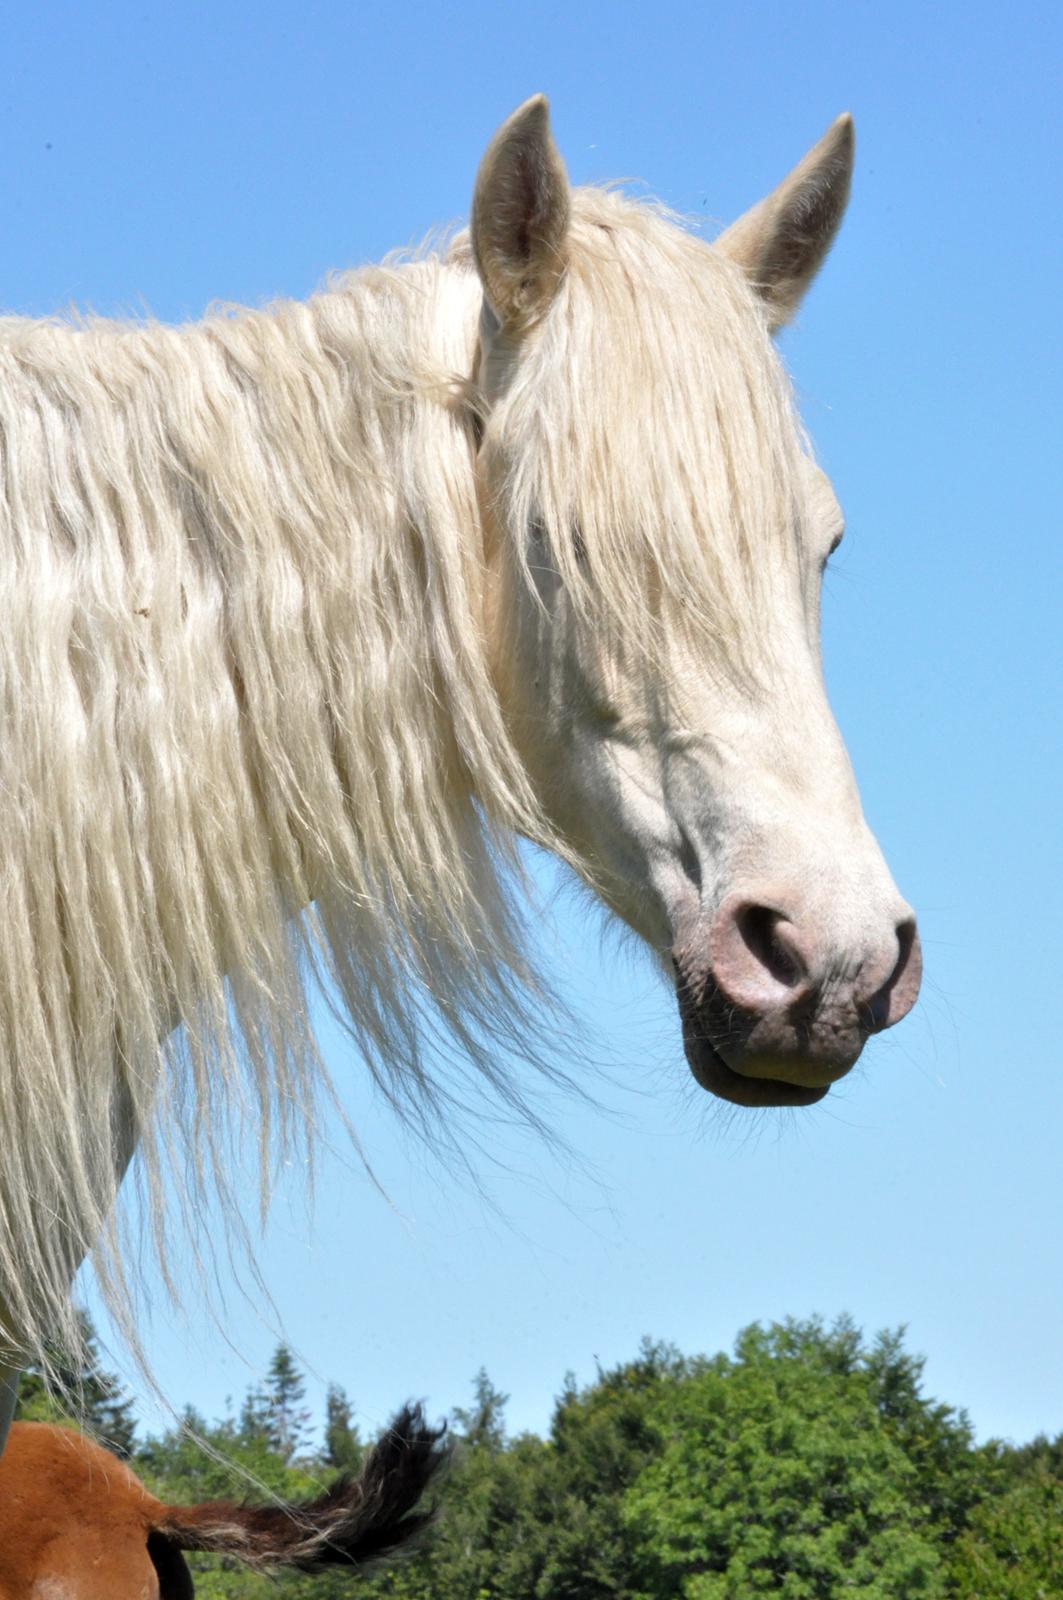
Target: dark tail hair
359,1520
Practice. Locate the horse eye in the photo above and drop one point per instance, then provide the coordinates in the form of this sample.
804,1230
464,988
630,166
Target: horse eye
835,542
537,538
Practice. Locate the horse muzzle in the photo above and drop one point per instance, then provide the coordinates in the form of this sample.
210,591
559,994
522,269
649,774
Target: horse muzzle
776,1010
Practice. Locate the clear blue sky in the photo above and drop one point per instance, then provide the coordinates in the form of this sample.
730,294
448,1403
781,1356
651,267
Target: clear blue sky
164,157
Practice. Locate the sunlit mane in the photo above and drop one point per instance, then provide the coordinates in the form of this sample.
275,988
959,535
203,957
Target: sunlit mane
243,669
652,437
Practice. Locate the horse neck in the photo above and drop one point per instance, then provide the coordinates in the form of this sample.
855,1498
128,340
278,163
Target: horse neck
327,468
244,561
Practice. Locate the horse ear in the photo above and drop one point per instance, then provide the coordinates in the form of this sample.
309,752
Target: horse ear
782,242
520,216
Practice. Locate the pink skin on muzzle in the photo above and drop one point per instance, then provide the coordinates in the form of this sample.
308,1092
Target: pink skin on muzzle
774,1012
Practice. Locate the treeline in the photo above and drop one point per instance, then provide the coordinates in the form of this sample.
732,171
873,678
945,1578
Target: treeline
808,1464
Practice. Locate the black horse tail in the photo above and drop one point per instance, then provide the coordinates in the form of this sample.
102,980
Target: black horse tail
362,1519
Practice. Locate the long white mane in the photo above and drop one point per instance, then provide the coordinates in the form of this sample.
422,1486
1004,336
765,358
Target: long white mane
243,672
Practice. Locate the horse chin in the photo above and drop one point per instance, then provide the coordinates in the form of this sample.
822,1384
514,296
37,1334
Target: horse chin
741,1088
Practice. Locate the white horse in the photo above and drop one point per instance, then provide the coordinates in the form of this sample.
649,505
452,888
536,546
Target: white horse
324,605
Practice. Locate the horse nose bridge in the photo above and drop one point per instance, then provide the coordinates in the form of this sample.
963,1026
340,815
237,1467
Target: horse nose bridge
822,921
830,869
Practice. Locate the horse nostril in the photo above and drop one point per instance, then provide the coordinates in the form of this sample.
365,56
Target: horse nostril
906,937
898,994
765,934
757,956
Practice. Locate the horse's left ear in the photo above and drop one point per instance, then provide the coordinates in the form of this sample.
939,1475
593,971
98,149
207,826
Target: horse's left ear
782,242
520,216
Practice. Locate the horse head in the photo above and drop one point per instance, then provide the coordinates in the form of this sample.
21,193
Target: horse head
656,534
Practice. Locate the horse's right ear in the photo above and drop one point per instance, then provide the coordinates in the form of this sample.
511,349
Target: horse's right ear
520,216
782,242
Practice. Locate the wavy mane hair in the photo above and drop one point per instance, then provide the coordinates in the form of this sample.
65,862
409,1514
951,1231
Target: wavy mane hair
250,742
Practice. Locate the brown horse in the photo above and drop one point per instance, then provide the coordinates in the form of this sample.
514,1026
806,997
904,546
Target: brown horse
77,1524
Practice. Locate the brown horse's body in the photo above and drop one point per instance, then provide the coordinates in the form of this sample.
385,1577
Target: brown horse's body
75,1517
77,1524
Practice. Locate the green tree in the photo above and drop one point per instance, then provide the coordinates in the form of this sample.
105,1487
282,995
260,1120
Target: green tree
343,1448
533,1519
780,1473
808,1464
937,1440
484,1422
254,1424
1012,1546
289,1415
601,1440
274,1412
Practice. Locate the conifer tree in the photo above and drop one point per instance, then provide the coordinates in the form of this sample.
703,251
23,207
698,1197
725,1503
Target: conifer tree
483,1423
288,1417
254,1423
343,1448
